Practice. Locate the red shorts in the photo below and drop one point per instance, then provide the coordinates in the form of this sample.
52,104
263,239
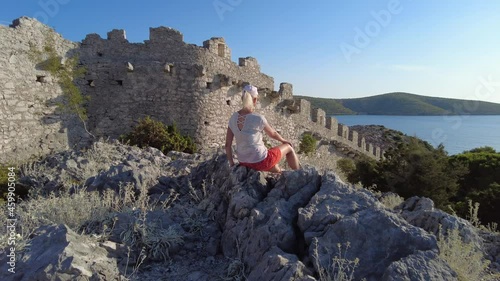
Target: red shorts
273,158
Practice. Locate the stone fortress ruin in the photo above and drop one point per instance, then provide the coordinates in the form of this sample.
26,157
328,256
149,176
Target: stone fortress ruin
195,87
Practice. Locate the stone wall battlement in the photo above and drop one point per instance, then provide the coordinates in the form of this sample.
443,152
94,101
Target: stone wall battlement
335,131
196,87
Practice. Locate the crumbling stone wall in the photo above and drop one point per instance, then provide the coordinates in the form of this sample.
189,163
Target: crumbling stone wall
30,124
164,78
195,87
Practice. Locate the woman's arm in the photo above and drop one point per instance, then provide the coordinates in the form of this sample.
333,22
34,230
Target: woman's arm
275,135
229,146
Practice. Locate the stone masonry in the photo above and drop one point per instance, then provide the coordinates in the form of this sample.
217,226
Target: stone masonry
30,124
195,87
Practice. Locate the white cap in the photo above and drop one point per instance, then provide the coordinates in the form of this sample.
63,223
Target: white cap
252,90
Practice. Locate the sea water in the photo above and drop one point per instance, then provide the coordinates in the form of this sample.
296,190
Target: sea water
457,133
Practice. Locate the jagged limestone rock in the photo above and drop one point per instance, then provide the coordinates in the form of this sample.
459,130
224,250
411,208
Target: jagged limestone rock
421,266
58,253
268,222
277,265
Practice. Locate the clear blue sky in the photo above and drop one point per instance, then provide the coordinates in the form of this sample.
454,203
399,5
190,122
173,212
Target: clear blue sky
325,48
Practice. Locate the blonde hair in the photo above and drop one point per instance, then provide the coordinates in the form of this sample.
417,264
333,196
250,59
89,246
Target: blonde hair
247,101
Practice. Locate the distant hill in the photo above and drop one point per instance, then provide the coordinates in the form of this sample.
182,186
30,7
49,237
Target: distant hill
403,104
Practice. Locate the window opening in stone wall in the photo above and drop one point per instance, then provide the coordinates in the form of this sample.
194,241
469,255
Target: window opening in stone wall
99,54
228,102
40,78
120,82
209,85
221,50
90,83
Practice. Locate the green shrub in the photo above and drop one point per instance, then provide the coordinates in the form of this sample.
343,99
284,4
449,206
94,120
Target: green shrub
65,74
414,168
481,184
20,191
362,170
307,144
346,166
152,133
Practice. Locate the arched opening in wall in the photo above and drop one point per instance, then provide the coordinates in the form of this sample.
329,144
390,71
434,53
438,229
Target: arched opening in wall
221,49
228,102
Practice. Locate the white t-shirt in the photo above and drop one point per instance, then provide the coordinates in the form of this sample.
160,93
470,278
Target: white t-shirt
249,145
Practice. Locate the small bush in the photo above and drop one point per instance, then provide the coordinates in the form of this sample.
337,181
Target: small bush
156,134
346,166
20,192
467,261
307,144
155,240
391,200
339,269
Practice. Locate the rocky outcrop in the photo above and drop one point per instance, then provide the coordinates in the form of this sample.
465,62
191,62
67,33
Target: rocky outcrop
219,222
58,253
380,136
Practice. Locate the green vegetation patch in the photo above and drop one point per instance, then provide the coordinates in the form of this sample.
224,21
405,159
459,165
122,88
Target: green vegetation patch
152,133
307,144
64,71
481,184
403,104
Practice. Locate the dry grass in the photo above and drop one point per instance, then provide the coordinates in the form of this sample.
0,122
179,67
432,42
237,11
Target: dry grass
464,258
156,242
391,200
235,271
339,269
82,211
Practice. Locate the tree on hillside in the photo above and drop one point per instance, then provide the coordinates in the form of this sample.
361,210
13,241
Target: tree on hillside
481,184
413,168
416,168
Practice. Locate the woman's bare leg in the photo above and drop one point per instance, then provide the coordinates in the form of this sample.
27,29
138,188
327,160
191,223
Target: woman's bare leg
291,157
275,169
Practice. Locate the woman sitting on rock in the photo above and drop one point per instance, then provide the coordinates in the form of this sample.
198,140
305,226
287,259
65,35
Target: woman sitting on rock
247,126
